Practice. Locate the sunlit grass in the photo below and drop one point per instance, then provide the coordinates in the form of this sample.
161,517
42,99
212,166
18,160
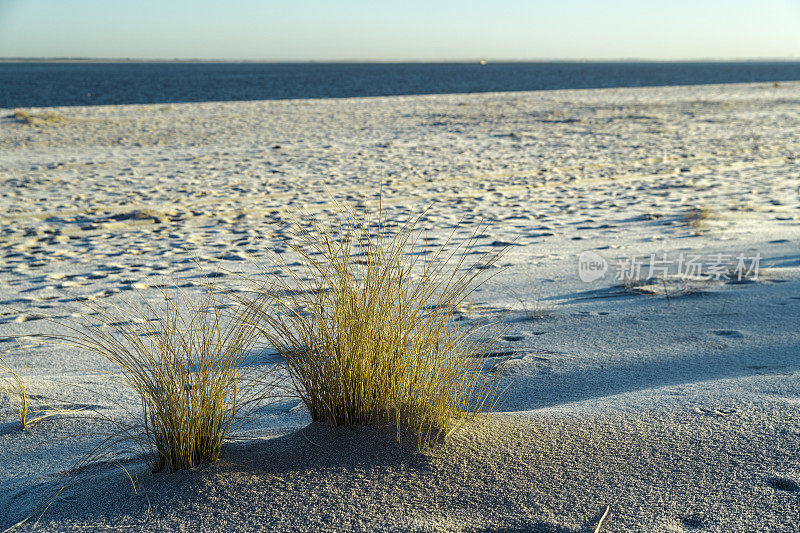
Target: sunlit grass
697,218
367,329
47,117
185,361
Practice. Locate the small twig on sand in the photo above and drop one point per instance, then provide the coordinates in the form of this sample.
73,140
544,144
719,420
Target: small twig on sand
602,520
666,292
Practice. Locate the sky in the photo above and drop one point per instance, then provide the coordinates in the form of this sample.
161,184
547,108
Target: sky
401,30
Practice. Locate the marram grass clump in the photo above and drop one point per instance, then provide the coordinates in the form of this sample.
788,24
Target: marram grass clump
185,360
367,327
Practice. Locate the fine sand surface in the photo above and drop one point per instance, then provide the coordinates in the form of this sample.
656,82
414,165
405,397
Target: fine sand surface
675,403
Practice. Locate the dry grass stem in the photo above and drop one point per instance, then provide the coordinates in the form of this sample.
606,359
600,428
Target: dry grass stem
18,387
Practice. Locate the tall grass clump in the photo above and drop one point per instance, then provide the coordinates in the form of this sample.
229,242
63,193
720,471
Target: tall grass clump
186,361
366,326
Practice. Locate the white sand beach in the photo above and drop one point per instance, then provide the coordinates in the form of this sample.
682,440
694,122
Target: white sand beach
674,402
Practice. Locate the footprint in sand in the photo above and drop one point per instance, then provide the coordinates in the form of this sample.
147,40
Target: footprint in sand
96,296
500,353
232,257
28,317
730,333
692,521
784,484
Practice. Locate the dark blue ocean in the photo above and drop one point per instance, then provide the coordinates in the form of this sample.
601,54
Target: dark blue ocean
29,84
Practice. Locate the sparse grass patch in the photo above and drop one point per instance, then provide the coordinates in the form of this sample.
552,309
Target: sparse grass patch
21,115
47,117
367,330
531,310
697,217
743,206
18,387
629,283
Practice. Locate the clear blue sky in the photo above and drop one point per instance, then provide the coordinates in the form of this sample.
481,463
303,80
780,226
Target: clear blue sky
408,29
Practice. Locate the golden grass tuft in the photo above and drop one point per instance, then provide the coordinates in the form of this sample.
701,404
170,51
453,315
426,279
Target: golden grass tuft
366,327
21,115
47,117
186,361
697,216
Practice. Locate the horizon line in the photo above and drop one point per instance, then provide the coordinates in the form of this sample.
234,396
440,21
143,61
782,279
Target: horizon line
81,59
